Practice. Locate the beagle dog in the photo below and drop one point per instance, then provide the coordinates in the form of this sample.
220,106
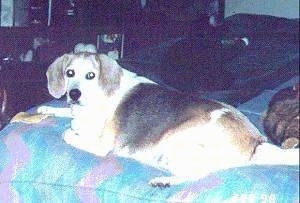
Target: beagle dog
117,112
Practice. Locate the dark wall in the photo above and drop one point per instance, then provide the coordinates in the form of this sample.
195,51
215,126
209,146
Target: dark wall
82,20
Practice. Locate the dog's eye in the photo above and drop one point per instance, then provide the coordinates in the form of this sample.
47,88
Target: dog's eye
90,75
70,73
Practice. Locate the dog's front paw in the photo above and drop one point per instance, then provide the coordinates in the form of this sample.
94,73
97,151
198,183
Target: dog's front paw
70,136
45,110
90,145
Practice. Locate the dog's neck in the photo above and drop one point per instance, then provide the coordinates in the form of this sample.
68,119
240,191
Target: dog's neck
86,117
128,81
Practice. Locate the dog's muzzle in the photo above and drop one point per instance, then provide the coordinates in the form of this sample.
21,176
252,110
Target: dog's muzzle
75,94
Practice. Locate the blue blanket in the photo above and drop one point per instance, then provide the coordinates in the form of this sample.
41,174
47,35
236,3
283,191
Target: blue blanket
36,165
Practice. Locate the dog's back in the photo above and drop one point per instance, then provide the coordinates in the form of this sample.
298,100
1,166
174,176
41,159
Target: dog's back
149,113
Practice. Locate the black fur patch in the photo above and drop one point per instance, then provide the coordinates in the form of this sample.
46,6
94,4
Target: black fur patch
149,111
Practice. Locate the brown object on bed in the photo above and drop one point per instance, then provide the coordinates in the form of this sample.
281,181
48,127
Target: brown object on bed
281,121
29,118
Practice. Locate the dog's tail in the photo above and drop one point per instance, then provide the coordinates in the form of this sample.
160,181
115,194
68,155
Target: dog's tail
269,154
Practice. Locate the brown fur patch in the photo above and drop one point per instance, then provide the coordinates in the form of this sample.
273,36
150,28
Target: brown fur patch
55,75
110,74
149,111
242,136
200,117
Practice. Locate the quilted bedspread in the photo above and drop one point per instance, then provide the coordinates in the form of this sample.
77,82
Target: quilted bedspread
37,166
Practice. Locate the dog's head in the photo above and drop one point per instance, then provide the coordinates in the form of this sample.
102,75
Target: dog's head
83,77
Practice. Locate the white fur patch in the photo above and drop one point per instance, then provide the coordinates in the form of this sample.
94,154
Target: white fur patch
217,114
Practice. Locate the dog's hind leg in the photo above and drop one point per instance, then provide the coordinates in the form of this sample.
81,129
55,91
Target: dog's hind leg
269,154
58,112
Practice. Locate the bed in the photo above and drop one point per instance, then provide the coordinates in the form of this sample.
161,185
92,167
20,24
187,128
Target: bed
37,166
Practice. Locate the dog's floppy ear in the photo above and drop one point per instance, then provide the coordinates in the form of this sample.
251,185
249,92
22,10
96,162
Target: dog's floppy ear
55,76
110,74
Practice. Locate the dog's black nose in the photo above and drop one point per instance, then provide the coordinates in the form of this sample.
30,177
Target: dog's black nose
75,94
